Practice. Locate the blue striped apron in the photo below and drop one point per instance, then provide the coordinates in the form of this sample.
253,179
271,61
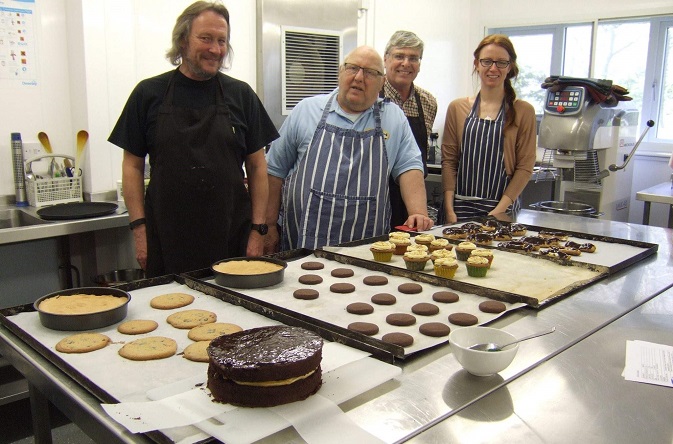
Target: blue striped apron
482,177
339,191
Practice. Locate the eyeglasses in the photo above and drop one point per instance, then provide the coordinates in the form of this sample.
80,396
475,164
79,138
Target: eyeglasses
353,70
487,63
401,57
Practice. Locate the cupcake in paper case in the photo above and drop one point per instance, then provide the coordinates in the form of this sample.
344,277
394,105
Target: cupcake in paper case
382,251
438,254
476,266
401,243
464,249
446,267
416,260
440,244
424,239
418,247
399,234
483,252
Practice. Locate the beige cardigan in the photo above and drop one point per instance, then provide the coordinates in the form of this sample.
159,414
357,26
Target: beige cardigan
519,150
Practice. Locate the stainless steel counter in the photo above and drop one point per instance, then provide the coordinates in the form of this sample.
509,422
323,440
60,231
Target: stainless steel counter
433,388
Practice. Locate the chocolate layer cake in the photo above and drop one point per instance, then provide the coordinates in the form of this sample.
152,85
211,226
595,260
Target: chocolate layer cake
264,367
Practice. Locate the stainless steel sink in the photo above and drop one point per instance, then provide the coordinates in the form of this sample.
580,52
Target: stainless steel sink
15,218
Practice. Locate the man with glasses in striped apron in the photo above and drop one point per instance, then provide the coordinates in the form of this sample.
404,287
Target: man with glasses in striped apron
328,172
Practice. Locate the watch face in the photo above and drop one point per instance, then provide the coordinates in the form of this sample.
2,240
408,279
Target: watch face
261,228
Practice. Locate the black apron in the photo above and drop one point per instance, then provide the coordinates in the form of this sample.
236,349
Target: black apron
399,213
197,207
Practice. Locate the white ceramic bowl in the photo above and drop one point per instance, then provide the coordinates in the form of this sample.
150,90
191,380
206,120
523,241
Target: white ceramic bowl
482,363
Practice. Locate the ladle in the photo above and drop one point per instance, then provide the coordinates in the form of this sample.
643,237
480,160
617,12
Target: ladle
491,347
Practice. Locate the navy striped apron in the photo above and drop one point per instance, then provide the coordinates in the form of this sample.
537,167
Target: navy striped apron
482,177
339,191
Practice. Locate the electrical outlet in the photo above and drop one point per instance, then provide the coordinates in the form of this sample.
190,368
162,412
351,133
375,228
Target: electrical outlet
32,149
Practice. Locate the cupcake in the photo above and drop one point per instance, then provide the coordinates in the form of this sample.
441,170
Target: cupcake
401,243
485,253
424,239
438,254
382,251
399,234
416,260
476,266
440,244
446,267
464,249
418,247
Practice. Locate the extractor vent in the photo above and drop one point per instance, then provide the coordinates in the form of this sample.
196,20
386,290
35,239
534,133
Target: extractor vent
310,64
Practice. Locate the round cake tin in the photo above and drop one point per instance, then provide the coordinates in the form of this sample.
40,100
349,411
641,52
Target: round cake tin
250,280
87,321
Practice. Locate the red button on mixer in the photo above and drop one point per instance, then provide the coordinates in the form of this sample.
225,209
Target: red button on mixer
560,108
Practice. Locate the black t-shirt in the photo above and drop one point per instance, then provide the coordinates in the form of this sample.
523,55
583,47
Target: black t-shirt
135,129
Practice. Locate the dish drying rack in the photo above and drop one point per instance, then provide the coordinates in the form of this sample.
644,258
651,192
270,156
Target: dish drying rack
42,191
546,171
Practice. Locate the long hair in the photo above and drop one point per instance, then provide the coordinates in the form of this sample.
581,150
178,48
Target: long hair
183,27
510,95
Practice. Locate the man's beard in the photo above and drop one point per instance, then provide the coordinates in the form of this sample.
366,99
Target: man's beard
196,70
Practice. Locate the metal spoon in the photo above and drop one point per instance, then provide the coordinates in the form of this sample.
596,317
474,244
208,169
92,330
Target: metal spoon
491,347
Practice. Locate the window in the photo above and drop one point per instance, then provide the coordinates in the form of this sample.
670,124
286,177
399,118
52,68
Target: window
634,53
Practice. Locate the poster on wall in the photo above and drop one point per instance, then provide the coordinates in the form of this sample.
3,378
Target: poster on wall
18,57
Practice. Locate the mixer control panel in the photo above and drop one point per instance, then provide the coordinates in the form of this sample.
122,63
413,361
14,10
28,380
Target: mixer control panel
569,101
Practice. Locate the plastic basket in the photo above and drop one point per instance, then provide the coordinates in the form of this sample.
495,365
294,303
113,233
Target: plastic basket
43,192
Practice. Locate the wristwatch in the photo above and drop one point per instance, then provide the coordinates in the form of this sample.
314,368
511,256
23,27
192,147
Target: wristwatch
260,228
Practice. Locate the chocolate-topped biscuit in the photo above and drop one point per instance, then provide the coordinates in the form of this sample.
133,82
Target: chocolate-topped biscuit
410,288
492,307
312,266
384,299
342,272
463,319
306,294
366,328
401,319
359,308
342,287
397,338
310,279
375,280
434,329
425,309
448,297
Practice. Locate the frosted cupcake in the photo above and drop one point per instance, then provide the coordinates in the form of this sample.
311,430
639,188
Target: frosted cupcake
464,249
424,239
440,244
483,252
415,260
418,247
401,243
438,254
382,251
476,266
399,234
446,267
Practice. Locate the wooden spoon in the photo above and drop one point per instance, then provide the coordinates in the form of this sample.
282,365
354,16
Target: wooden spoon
82,138
44,140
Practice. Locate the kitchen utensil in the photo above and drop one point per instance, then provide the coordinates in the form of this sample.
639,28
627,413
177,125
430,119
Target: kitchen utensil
250,280
44,140
77,210
492,347
480,363
82,138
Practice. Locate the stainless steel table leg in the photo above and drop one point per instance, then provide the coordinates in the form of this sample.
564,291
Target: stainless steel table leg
670,216
39,408
646,213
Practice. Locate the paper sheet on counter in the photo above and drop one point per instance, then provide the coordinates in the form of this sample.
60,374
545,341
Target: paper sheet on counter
649,363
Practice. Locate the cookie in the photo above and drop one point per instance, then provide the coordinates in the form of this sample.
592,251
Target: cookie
197,351
191,318
410,288
434,329
463,319
310,279
147,349
401,319
208,332
359,308
137,326
425,309
447,297
342,273
306,294
366,328
401,339
492,307
170,301
312,266
375,280
82,343
384,299
342,287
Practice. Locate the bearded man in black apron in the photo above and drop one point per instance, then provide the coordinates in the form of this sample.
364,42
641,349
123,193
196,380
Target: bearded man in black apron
329,169
402,60
199,127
